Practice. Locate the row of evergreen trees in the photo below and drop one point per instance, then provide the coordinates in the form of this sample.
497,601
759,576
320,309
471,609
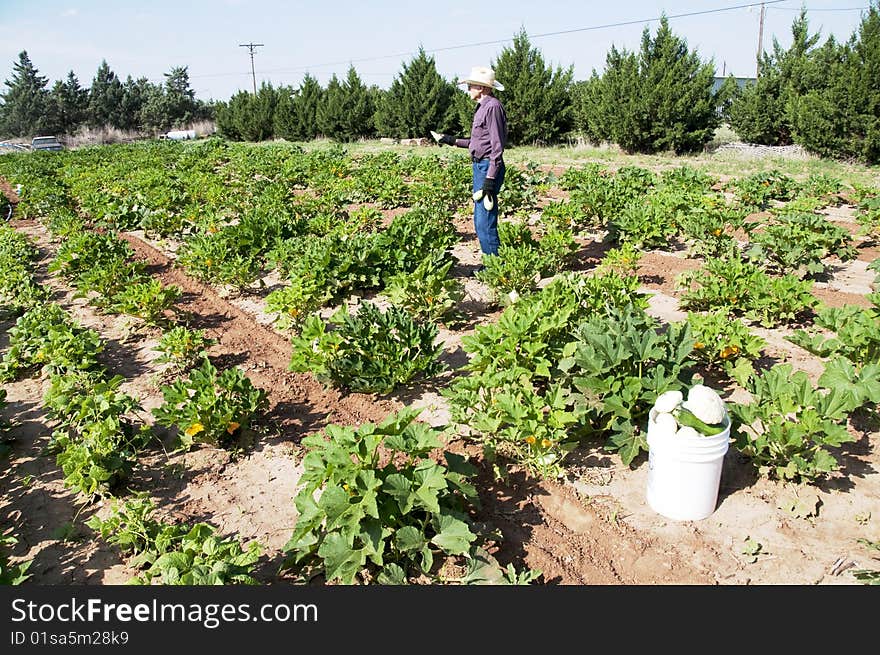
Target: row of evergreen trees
825,98
661,98
30,107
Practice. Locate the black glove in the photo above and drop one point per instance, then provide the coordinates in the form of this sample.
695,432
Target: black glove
489,187
447,139
489,194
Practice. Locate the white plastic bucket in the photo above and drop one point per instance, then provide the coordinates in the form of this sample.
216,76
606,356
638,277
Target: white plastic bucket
684,473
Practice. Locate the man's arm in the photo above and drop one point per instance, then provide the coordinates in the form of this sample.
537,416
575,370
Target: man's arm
495,125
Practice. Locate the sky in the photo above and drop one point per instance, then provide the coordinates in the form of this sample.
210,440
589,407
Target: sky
322,38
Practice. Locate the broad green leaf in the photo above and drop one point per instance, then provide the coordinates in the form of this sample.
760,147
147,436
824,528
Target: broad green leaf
454,536
334,502
341,562
409,539
399,487
392,574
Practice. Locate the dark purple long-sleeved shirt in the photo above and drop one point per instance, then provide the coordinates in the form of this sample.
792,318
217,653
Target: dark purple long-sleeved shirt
488,134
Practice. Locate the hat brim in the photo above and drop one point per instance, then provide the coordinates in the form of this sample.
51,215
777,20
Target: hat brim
496,85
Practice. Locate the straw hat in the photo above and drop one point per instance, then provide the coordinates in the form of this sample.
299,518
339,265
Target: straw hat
484,77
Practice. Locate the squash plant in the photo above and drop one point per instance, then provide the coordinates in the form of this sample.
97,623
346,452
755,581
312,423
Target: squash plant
790,427
756,191
708,227
856,333
97,441
724,343
428,292
868,213
46,336
376,506
18,290
371,351
523,260
174,554
210,406
507,403
797,244
11,574
619,363
742,288
514,418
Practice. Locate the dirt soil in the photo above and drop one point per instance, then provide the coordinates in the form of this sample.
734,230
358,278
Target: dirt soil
592,528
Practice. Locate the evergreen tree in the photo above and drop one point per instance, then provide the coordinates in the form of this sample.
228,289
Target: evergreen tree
284,122
677,91
173,104
821,119
839,117
757,115
69,103
762,113
331,111
418,101
135,96
306,103
358,119
864,66
257,124
608,105
180,98
105,98
536,99
248,117
661,99
224,115
586,97
23,106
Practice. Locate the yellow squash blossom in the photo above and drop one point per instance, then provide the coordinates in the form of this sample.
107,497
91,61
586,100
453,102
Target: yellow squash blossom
194,429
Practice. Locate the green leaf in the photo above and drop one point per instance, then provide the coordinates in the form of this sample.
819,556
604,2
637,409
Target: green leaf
399,487
409,539
628,442
392,574
483,569
340,561
335,502
454,536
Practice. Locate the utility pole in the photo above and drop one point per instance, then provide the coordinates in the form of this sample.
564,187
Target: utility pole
760,41
251,46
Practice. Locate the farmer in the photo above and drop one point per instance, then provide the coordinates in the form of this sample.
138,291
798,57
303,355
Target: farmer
486,145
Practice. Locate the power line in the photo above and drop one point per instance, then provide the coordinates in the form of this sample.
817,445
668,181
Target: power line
251,47
807,9
494,42
531,36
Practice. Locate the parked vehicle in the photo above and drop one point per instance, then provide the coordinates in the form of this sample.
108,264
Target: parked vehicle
46,143
178,135
8,146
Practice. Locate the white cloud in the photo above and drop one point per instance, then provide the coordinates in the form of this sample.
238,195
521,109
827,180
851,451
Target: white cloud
69,13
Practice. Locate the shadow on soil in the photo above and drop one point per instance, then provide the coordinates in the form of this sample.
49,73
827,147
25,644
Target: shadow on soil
507,506
47,519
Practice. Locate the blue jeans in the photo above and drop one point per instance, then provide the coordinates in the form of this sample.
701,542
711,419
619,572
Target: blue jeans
486,222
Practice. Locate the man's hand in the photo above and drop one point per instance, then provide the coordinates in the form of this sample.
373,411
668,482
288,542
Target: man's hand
448,139
489,193
489,187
